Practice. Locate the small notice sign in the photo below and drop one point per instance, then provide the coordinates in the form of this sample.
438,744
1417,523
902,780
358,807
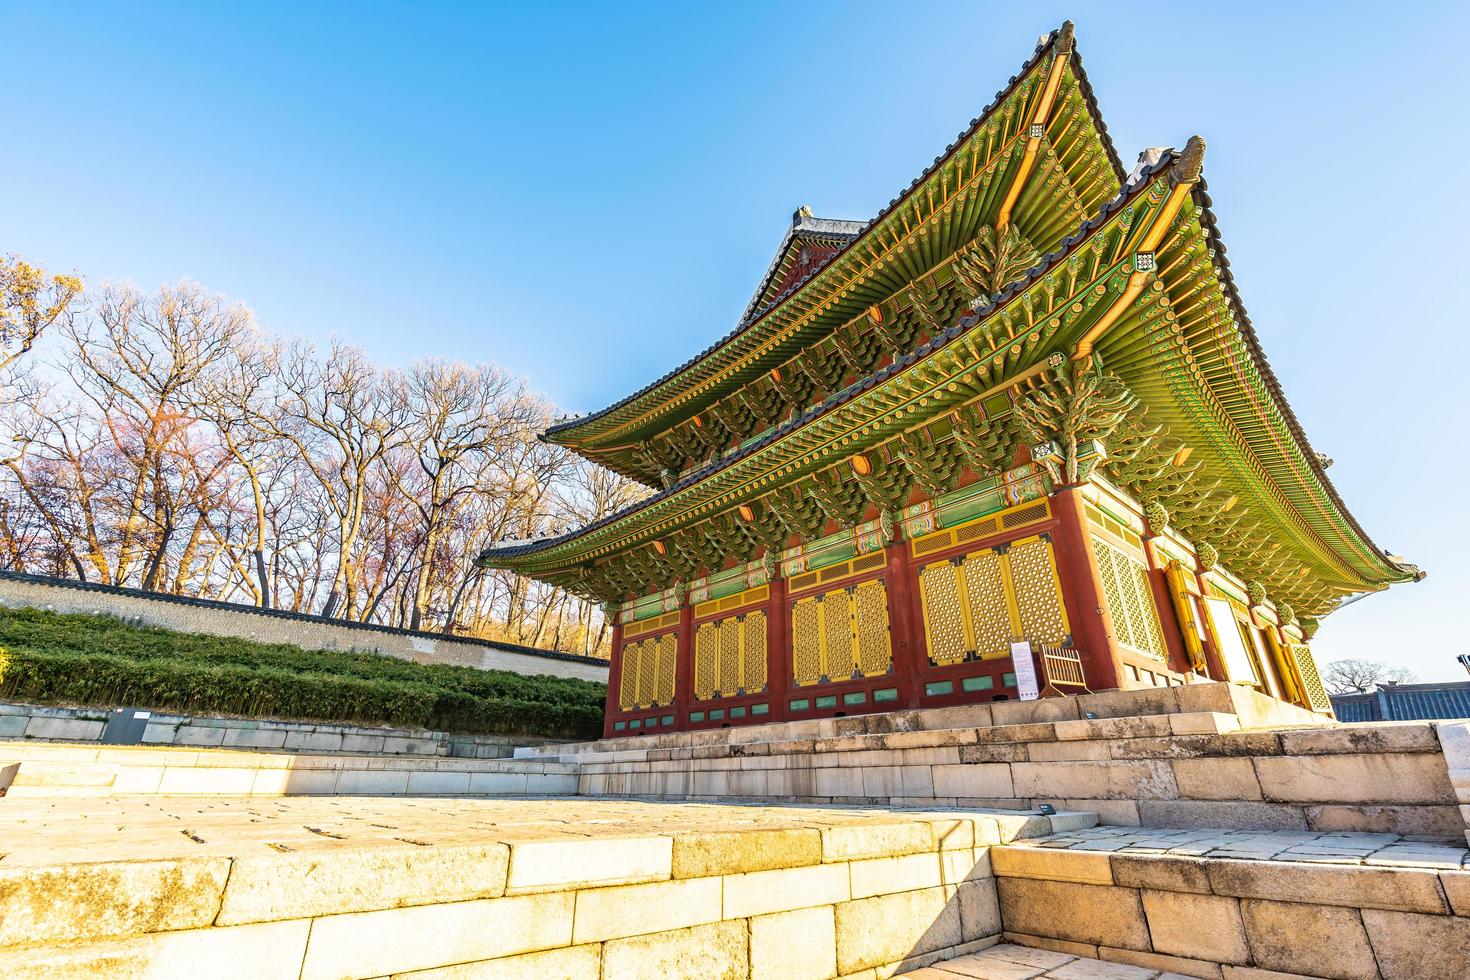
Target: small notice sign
1023,665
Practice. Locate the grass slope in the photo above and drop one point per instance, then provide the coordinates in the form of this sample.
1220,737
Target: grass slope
97,661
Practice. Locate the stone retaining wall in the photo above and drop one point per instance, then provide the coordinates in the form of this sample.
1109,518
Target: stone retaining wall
1299,905
279,626
55,724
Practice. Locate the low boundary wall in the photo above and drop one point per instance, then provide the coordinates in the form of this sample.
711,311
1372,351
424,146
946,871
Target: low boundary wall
280,626
168,729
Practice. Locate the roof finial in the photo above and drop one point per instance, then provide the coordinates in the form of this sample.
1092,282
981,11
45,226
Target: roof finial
1066,37
805,211
1190,161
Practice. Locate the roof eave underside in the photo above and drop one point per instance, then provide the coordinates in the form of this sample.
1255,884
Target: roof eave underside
1377,570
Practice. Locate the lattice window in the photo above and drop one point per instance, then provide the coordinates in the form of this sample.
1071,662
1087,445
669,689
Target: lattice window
729,634
841,634
1130,599
943,620
754,647
874,653
668,665
706,660
806,640
980,603
1306,666
1038,601
647,676
990,615
647,667
628,678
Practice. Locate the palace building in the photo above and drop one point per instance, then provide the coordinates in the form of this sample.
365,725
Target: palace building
1013,436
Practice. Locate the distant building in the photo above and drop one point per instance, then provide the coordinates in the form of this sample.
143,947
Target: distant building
1405,702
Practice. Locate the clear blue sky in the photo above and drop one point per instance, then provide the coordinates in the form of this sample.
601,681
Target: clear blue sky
587,194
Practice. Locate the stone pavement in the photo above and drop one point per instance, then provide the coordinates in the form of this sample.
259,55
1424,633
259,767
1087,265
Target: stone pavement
1377,850
1008,961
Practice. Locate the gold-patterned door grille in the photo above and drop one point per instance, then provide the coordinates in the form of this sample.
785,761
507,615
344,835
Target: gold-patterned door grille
941,596
987,596
628,678
873,651
977,604
806,640
647,676
1038,599
841,634
730,656
1130,599
706,660
754,647
1306,667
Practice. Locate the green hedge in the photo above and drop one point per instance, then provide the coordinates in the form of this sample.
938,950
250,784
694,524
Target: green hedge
50,658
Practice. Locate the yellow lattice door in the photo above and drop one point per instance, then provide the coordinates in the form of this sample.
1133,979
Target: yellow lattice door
806,640
628,678
706,660
1130,599
1306,668
978,604
872,646
753,647
647,669
944,620
729,633
987,598
1038,596
668,665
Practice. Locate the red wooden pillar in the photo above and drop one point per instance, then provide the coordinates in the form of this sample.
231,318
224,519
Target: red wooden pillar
903,628
614,680
778,649
684,666
1092,630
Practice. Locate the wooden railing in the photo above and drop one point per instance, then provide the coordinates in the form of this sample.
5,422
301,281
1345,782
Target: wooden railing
1062,670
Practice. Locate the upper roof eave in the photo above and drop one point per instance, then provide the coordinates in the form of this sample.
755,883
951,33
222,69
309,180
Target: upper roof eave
569,431
1407,571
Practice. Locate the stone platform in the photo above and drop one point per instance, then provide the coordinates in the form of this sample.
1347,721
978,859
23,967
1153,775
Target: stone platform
366,887
1206,755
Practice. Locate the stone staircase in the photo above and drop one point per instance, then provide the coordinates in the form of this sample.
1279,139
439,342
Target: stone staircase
1208,755
1208,903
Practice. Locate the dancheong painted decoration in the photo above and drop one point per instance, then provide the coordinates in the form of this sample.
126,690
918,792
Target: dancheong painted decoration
1021,413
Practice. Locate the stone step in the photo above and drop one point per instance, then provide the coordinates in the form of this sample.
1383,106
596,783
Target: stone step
1203,902
579,888
1249,708
32,770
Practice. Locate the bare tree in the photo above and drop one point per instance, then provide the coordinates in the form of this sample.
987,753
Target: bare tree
163,441
1356,676
342,420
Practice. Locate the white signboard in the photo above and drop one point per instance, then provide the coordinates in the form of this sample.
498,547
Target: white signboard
1023,665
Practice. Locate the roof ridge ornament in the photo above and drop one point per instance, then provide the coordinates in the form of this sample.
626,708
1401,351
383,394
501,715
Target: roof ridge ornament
1189,162
1066,38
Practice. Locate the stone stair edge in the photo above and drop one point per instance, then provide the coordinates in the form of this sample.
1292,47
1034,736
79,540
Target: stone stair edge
1250,707
867,838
